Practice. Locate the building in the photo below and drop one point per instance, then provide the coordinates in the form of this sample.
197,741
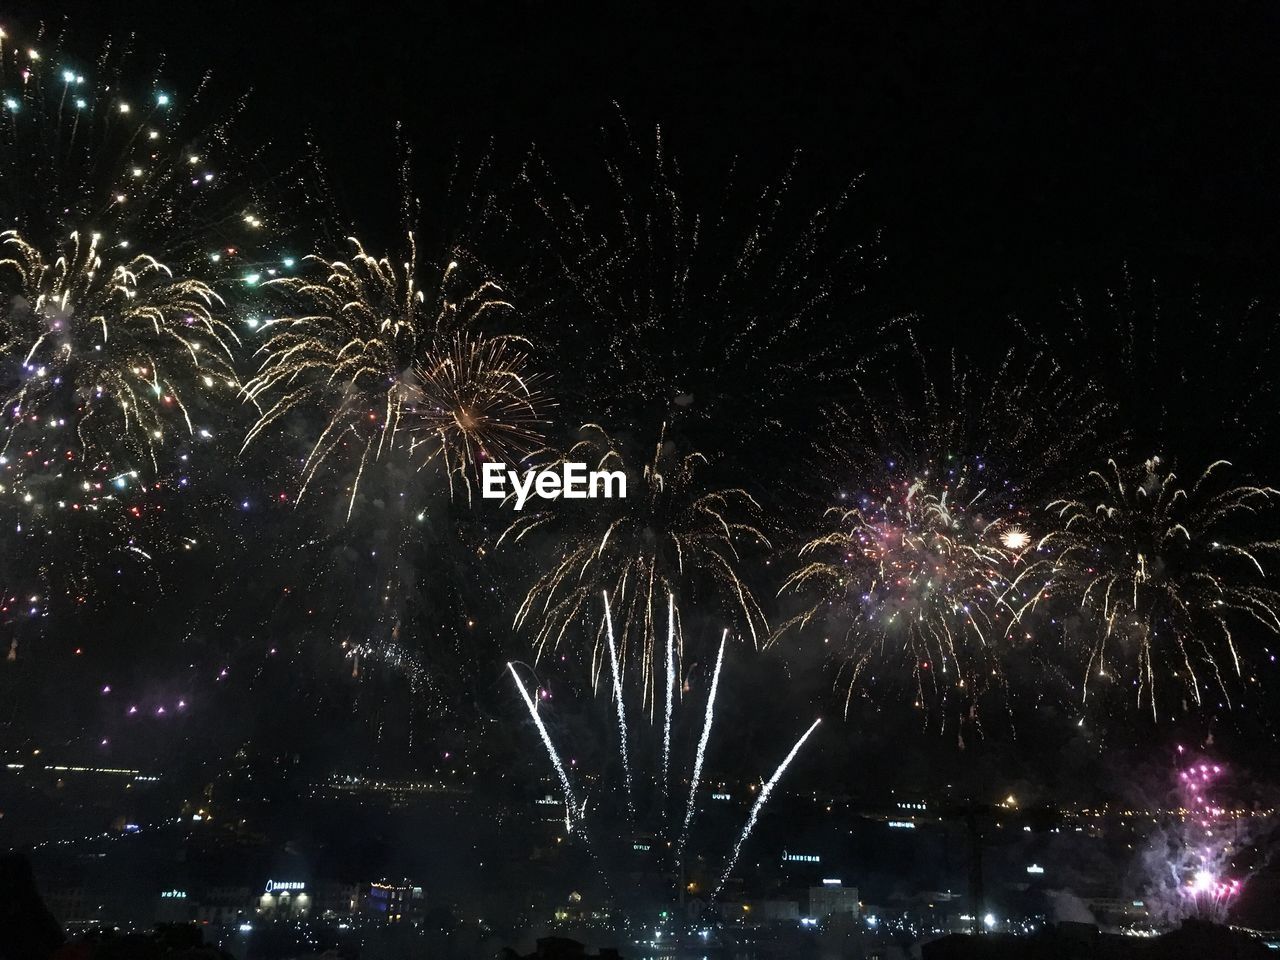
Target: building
174,906
393,901
774,910
1078,941
1117,910
387,794
224,906
758,911
285,900
832,898
335,900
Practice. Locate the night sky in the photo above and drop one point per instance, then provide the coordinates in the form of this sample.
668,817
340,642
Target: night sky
1007,166
1007,154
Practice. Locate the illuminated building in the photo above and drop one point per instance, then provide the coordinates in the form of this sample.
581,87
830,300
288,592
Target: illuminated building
832,898
392,794
394,902
284,900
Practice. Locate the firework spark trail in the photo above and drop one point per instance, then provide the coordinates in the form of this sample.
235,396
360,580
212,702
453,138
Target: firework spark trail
576,810
761,800
111,357
919,575
1167,570
707,721
622,711
671,690
125,324
571,808
116,350
671,532
396,360
1207,839
649,254
1191,860
924,569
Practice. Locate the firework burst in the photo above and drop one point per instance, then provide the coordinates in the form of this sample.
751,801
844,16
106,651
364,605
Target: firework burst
672,535
1196,861
113,336
926,565
478,403
110,348
926,574
1159,349
110,148
397,369
123,223
1166,570
750,278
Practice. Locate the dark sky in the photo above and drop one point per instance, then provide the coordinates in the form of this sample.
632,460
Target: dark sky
1007,152
1009,155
